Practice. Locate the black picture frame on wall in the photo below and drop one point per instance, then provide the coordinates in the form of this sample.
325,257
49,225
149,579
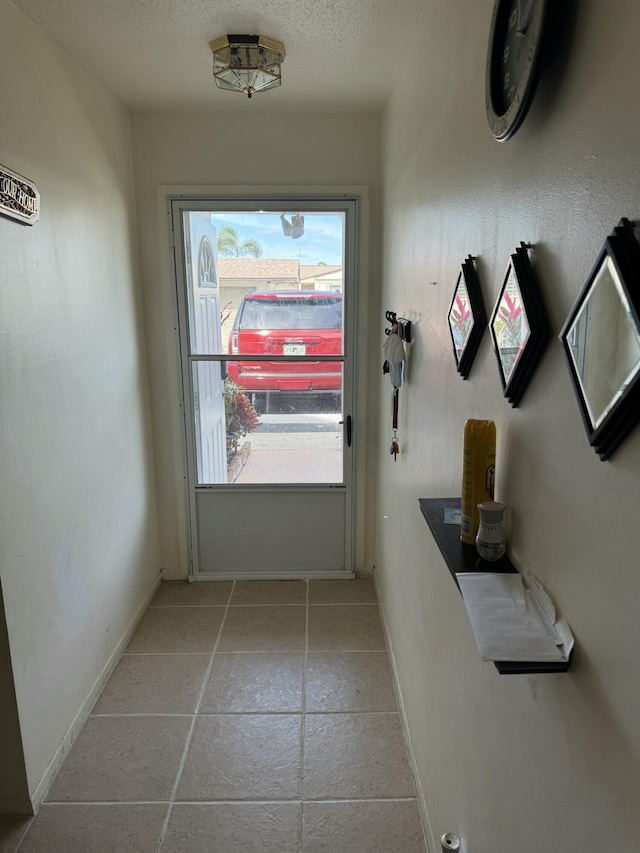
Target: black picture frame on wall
467,318
601,342
519,326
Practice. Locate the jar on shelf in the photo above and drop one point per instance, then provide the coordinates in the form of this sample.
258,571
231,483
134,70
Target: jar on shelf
490,541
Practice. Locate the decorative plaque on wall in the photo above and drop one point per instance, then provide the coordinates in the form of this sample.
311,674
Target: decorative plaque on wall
19,197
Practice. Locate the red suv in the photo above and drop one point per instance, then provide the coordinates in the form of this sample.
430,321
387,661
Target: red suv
296,323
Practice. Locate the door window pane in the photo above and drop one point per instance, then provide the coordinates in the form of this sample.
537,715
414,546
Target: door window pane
250,437
299,440
269,296
246,273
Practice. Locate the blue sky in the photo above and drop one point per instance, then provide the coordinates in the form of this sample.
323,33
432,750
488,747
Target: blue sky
321,241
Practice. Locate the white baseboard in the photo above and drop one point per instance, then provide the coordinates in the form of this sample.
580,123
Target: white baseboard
73,731
430,840
173,573
177,574
267,574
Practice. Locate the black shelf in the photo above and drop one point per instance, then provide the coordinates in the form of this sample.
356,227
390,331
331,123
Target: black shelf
461,557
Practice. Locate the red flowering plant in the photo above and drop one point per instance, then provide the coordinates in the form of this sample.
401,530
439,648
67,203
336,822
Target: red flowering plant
241,416
225,312
510,319
461,318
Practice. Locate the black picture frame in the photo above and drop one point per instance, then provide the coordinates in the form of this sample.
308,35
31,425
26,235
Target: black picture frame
601,342
519,325
467,318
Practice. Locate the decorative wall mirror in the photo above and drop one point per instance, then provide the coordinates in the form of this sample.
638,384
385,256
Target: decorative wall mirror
601,340
519,326
467,317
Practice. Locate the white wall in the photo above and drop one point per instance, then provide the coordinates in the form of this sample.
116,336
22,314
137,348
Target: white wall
201,150
513,763
14,791
78,540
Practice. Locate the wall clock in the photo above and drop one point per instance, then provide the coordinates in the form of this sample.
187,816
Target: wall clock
513,62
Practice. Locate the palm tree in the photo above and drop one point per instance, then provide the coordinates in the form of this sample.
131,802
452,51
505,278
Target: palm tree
230,245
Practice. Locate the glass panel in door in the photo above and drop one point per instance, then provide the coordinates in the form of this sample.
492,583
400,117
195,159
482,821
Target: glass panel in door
280,343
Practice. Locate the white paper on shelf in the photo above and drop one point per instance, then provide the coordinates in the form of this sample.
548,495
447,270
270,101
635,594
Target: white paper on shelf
513,619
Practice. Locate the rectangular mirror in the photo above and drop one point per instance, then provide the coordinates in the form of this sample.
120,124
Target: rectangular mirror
601,339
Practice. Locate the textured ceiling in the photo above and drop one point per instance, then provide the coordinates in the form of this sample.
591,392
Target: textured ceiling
154,54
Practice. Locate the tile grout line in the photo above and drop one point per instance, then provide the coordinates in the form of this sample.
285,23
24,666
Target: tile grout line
257,714
187,606
166,655
268,604
258,652
224,606
242,800
25,831
304,718
143,714
165,825
245,800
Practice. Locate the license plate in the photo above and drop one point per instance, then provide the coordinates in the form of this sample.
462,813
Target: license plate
294,349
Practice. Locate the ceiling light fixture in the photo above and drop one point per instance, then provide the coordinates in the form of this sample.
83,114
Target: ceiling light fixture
247,64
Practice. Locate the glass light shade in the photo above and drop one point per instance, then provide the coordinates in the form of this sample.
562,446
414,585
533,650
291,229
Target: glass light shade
247,64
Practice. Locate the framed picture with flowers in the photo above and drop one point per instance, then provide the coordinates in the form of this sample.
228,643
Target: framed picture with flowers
467,317
519,325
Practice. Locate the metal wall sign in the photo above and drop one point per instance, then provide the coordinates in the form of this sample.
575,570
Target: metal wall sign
19,197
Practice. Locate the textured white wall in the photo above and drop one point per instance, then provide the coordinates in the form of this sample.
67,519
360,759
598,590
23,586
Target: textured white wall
14,791
195,151
513,763
78,541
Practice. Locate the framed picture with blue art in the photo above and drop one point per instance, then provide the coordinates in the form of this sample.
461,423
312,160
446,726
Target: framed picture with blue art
519,325
467,317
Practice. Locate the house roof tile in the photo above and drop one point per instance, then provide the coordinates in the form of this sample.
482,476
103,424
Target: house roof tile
316,271
264,269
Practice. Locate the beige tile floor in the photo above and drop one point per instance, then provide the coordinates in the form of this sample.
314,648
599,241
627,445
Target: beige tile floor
246,717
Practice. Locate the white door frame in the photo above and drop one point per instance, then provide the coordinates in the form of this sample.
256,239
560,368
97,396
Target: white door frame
350,202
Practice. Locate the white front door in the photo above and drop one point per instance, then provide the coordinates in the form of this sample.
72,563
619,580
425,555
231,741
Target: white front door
203,299
267,355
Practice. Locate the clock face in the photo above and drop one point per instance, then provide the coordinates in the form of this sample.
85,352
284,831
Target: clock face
513,63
